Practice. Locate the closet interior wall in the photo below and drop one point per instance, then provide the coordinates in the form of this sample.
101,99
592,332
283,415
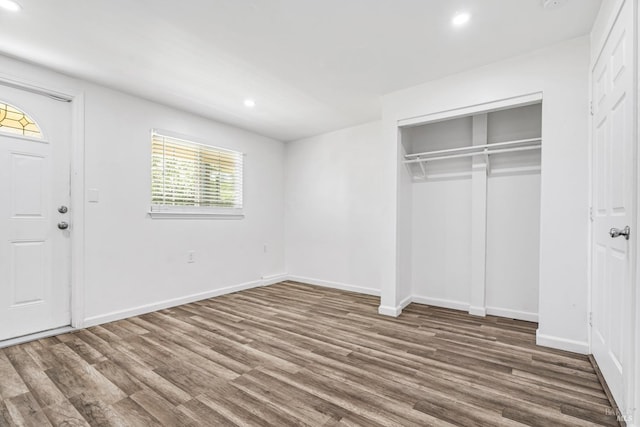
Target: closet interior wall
476,223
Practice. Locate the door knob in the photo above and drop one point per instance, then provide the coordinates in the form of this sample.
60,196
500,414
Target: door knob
616,232
63,225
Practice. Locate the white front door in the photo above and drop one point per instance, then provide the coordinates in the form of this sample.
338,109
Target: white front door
34,184
613,206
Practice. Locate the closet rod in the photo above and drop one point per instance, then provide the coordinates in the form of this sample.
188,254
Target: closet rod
474,147
479,153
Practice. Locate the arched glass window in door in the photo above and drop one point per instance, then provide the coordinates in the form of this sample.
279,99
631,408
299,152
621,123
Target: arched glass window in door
17,122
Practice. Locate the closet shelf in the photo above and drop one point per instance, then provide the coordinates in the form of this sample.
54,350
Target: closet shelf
421,159
475,150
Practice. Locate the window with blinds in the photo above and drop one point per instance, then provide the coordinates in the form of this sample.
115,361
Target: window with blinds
192,177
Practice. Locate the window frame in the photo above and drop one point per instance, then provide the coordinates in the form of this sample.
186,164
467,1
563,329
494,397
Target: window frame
192,212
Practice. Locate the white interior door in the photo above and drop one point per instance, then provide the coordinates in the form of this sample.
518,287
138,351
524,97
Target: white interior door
34,183
613,205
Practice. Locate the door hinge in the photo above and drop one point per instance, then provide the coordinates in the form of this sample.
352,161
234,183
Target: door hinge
591,107
591,213
591,318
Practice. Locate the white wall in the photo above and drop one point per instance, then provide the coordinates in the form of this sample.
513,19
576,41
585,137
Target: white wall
513,216
561,74
441,247
513,245
133,262
333,208
405,239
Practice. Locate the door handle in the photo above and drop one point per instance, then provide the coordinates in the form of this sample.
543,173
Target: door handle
63,225
616,232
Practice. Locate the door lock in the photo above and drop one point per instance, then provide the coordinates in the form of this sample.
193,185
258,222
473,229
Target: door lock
63,209
616,232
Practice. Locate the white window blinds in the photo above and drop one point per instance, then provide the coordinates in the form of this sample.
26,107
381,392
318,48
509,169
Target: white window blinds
187,175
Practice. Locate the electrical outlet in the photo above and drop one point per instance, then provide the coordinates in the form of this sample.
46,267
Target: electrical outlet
191,257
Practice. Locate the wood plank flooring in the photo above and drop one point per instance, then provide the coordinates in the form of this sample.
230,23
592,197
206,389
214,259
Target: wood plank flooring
293,354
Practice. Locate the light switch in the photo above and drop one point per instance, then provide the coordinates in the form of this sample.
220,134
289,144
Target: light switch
93,195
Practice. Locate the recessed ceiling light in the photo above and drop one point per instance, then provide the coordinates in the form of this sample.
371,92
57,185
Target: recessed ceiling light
10,5
460,19
249,103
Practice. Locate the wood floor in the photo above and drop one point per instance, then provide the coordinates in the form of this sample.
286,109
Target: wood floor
293,354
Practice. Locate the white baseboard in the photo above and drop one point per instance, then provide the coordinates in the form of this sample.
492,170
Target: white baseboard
562,343
477,311
395,311
386,310
405,302
439,302
335,285
513,314
274,278
148,308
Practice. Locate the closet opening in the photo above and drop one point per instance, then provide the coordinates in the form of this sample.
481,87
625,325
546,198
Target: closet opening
474,207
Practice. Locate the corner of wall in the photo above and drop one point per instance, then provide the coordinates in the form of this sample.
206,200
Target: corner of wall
559,343
396,311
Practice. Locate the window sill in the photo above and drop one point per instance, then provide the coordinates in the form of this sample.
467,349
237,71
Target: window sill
194,215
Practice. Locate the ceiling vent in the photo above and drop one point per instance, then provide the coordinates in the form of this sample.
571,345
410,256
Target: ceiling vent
553,4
